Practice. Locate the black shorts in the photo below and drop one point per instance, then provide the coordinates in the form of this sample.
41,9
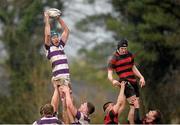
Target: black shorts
131,90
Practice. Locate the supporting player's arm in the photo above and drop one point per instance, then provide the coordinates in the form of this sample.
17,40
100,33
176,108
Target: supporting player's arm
69,101
121,98
136,115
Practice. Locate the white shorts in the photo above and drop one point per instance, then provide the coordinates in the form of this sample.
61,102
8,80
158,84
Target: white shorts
64,80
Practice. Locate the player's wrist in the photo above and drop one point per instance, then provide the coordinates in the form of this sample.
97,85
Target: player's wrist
46,20
141,77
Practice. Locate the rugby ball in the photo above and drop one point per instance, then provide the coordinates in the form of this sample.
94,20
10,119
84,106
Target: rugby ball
53,12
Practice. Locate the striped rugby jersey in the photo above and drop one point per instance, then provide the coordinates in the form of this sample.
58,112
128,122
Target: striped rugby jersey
111,118
81,118
123,64
47,120
58,59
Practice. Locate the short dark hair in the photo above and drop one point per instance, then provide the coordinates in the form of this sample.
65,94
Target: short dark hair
91,107
106,105
47,109
122,43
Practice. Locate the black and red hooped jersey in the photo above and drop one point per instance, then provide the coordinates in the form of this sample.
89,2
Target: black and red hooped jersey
123,64
111,118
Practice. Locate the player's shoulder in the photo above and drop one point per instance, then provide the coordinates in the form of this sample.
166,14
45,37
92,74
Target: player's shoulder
113,56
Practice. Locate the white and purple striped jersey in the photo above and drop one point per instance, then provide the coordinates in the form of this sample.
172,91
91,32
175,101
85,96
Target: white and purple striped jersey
81,118
48,120
58,59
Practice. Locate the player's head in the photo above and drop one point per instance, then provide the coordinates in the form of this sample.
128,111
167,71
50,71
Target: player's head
54,38
153,116
122,46
46,110
107,106
87,107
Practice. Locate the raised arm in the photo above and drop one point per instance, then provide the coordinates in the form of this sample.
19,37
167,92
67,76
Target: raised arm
121,98
135,115
138,74
47,29
69,102
111,79
65,33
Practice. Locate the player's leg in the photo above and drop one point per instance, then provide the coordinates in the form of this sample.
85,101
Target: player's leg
130,96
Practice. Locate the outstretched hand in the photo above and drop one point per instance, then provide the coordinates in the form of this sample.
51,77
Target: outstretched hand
46,15
142,82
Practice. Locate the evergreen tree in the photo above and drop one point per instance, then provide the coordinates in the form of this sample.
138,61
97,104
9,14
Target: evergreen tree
29,78
153,29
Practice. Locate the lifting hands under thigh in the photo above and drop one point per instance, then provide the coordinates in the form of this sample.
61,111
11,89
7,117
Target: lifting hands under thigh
62,81
131,99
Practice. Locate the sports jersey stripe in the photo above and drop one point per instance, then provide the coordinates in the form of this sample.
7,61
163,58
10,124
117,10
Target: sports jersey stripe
54,53
128,63
55,48
116,56
49,121
113,61
131,76
122,68
125,74
124,71
58,57
61,71
52,120
62,66
64,75
62,61
125,60
132,80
